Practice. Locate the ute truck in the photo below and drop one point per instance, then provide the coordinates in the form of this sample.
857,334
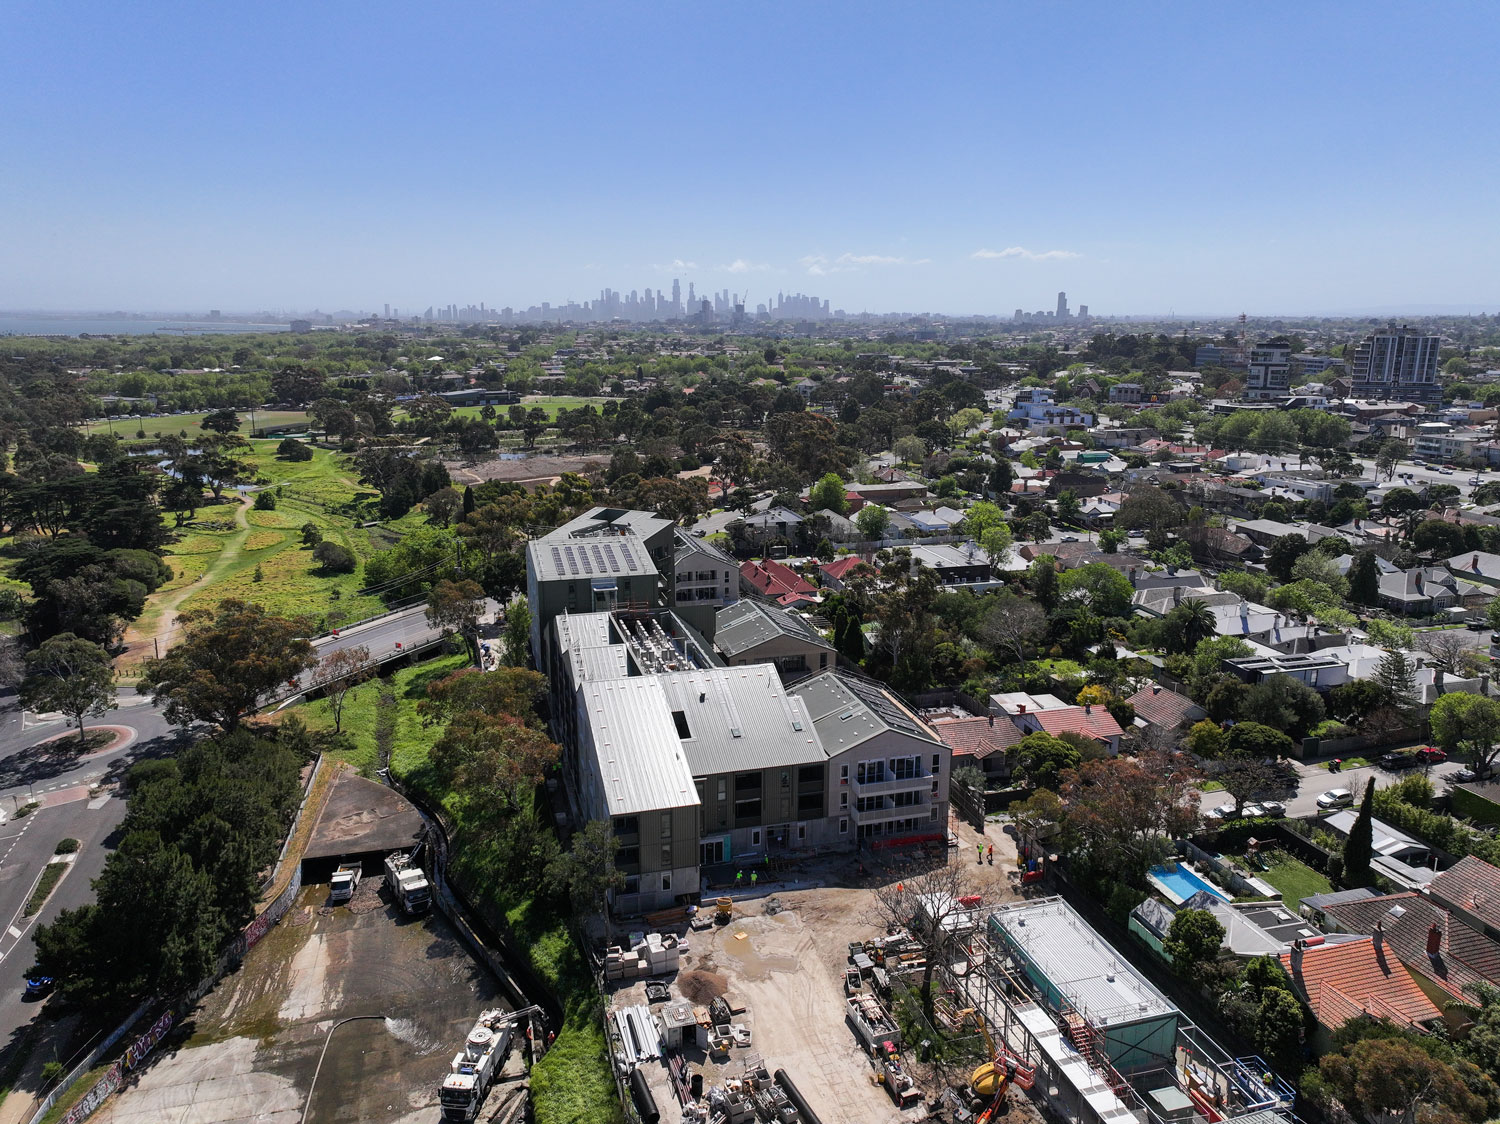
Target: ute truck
345,882
407,883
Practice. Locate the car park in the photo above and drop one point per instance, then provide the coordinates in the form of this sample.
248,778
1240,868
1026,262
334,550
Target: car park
1336,798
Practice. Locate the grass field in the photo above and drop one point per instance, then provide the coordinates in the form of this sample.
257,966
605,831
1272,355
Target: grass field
193,423
1296,880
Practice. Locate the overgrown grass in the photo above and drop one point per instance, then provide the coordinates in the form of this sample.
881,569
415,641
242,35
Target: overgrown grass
1295,879
51,875
193,423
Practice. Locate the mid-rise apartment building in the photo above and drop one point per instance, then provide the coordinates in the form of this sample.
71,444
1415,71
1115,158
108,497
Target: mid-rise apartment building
1269,370
1397,364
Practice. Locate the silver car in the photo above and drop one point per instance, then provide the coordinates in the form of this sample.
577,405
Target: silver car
1336,798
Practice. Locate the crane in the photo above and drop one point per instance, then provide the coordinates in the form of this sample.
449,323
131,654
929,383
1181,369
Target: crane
990,1078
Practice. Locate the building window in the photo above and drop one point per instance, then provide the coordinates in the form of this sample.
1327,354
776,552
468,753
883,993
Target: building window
632,883
723,789
666,856
666,825
679,719
801,831
627,825
934,786
843,800
755,838
746,782
666,880
810,775
843,774
937,762
843,827
810,802
932,815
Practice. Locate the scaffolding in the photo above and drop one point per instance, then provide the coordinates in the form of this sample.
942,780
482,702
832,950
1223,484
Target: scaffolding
1065,1049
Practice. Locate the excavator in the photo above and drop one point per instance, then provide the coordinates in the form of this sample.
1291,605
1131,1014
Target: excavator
990,1079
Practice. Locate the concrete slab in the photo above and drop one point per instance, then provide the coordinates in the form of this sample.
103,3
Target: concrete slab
362,818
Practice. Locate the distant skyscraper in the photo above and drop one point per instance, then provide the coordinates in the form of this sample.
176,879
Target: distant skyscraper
1062,306
1083,312
1397,364
1020,314
387,310
676,309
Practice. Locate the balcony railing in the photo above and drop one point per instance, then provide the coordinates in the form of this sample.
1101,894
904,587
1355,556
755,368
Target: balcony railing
881,815
922,781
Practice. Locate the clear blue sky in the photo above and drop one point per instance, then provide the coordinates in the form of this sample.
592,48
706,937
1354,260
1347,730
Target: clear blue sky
1203,157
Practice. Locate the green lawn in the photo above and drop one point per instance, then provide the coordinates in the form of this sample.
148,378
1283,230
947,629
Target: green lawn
1296,880
193,423
555,402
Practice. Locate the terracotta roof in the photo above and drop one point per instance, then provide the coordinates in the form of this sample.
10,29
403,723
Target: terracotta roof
1472,886
1163,707
1344,980
1360,915
774,579
1094,721
978,737
841,566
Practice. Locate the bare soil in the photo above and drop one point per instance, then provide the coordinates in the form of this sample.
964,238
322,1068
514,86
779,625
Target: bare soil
544,468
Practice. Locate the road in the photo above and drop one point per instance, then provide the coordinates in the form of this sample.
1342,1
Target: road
1315,779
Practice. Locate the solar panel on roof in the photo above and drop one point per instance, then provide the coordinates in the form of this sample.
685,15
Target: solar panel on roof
609,552
557,562
583,559
572,561
629,557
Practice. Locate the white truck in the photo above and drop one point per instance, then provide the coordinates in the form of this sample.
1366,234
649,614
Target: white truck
474,1069
345,882
407,883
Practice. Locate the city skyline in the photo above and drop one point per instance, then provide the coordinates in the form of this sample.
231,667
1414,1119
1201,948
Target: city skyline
962,171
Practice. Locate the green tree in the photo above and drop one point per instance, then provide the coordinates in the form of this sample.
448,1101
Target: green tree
312,534
454,607
1364,579
1193,940
71,675
1283,556
1041,759
1358,846
872,520
1283,703
910,450
518,633
1397,674
221,421
290,449
828,494
1255,740
587,869
230,657
1042,578
1111,540
1467,723
334,557
1279,1025
1194,621
1068,507
1207,739
1105,590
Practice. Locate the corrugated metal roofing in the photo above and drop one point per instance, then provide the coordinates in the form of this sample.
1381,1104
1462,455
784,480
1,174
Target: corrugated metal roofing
747,624
1080,963
640,759
848,711
739,719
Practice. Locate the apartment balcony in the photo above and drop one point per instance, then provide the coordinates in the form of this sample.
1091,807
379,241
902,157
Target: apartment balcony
886,814
922,782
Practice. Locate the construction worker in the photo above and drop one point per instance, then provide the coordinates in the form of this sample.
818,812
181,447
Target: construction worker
981,854
739,878
754,877
991,853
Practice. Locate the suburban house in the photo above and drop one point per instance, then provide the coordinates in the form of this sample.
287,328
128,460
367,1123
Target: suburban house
1163,711
777,580
834,572
751,632
982,741
1048,714
1348,980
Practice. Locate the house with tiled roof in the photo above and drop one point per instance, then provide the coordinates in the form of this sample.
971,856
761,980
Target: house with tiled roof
776,580
1161,709
834,572
1470,889
1341,982
982,741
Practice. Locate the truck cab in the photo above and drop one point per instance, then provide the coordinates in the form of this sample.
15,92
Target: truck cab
345,882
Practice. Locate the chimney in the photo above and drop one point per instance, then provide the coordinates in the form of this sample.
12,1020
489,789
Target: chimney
1156,688
1088,709
1434,941
992,720
1474,562
1177,595
1437,680
1020,708
1419,580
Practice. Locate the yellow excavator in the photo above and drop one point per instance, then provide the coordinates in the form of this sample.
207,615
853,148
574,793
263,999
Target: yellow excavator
989,1080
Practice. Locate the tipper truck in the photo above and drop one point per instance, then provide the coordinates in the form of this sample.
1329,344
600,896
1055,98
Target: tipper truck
407,883
474,1069
345,882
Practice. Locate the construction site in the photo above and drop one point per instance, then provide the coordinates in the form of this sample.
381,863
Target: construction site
796,1007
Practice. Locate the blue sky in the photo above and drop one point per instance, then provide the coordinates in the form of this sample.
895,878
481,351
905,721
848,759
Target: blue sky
1198,157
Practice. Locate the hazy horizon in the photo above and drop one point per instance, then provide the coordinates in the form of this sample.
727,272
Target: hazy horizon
887,159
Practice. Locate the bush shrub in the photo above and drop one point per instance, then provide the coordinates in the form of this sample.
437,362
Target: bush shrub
265,500
293,450
334,558
66,847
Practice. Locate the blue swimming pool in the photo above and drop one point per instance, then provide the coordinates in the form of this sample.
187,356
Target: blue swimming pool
1181,884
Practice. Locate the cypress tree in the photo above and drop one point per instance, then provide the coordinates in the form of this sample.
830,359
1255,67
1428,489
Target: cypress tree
1359,846
468,501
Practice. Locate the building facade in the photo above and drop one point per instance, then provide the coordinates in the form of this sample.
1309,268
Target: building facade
1397,364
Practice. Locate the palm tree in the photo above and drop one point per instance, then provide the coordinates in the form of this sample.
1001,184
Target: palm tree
1197,623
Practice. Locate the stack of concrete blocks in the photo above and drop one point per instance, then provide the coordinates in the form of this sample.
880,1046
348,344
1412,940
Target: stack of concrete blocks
660,952
622,965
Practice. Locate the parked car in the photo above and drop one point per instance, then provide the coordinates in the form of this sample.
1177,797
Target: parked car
1336,798
1400,759
1272,808
1432,755
1473,481
1464,775
37,986
1226,812
1446,470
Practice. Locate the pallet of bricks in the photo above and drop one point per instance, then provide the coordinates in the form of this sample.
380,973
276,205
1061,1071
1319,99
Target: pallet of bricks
656,954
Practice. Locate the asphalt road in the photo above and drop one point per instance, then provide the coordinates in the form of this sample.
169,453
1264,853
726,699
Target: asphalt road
1316,780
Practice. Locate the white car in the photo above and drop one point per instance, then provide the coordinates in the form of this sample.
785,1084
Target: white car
1224,812
1336,798
1473,481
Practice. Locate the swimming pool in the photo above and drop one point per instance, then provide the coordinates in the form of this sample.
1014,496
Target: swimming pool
1181,884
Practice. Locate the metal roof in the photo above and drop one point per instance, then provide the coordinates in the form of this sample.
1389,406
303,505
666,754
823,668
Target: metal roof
745,625
740,718
848,711
1080,963
641,762
622,554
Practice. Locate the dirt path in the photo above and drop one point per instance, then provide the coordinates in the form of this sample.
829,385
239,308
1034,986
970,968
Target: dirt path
160,638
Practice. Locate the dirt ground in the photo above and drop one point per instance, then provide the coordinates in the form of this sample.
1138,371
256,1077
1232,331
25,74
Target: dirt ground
542,468
250,1051
786,968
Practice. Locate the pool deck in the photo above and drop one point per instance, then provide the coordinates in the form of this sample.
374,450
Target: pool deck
1165,880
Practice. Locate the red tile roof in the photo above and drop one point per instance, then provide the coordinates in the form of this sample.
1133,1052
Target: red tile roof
841,566
977,737
775,579
1163,707
1094,721
1342,981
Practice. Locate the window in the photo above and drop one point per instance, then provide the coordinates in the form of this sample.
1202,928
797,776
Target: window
906,768
627,825
723,789
666,880
843,827
666,856
679,719
822,660
810,775
628,857
810,802
905,799
747,809
632,883
932,815
801,831
746,782
755,838
666,825
786,778
937,762
843,800
843,774
934,786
